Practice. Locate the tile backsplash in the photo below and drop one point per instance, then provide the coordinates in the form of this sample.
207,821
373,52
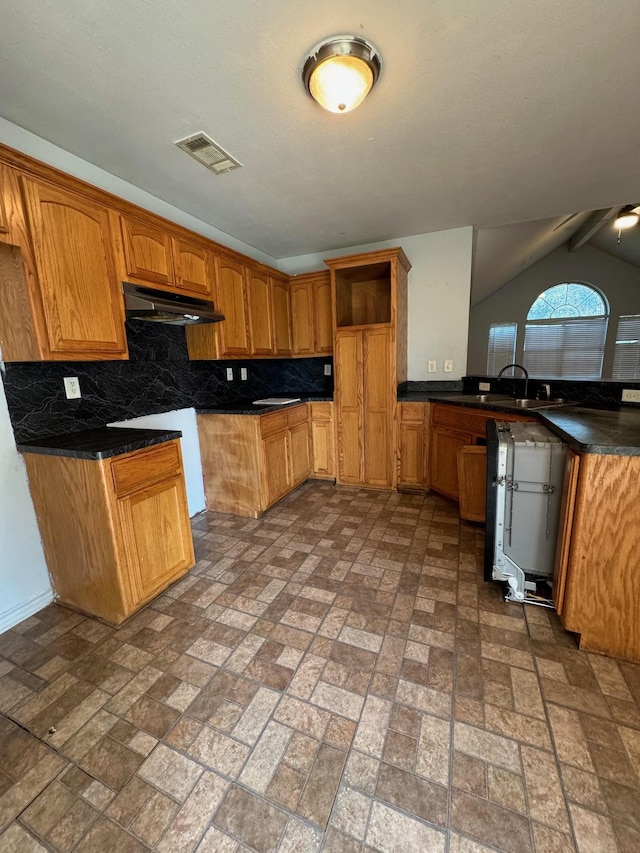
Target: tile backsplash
158,377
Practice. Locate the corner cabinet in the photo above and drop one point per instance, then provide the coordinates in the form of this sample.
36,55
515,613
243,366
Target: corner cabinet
596,580
250,462
115,532
59,274
369,294
452,430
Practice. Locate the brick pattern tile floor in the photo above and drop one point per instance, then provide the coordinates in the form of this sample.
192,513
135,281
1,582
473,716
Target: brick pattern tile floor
333,677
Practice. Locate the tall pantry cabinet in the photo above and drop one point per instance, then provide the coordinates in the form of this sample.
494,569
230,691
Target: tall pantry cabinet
369,295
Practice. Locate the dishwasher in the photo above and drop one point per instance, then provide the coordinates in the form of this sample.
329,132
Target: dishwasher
525,470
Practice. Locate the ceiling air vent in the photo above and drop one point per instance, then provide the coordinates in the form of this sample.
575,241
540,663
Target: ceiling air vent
203,149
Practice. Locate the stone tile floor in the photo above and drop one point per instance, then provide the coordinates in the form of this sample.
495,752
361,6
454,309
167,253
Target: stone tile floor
335,676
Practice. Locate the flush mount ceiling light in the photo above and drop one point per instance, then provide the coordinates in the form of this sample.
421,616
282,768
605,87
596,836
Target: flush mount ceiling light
340,72
628,217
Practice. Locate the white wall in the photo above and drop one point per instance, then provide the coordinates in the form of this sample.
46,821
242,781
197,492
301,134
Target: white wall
24,579
618,280
22,140
439,291
184,420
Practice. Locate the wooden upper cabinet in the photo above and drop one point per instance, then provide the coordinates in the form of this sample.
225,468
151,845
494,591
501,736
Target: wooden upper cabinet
281,317
147,253
311,320
323,323
232,298
193,265
302,317
4,219
79,291
260,312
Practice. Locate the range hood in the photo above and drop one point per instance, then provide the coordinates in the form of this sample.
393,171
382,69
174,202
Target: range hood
161,306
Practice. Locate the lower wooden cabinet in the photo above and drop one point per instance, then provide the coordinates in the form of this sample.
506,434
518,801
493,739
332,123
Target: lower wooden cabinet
116,531
454,429
596,579
323,462
472,483
249,462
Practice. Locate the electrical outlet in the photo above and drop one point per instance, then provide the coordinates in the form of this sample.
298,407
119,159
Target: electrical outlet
484,386
72,387
243,374
229,374
327,370
432,366
631,395
448,365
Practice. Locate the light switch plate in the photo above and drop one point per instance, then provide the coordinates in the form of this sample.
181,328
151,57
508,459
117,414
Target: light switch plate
243,374
432,366
229,374
72,387
448,366
327,370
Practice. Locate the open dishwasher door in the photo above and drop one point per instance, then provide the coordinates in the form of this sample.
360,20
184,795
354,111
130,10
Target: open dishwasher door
524,480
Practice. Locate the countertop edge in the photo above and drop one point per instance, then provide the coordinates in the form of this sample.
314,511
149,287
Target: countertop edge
128,446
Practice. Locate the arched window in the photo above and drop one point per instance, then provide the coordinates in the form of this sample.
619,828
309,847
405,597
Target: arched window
565,332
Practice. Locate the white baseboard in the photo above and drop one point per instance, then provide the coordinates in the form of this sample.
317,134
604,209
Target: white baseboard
15,614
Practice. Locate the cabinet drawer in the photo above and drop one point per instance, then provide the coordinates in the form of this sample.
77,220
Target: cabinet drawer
273,423
456,417
297,415
321,411
411,412
145,467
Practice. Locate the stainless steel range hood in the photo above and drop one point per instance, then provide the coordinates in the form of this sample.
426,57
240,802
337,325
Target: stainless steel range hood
161,306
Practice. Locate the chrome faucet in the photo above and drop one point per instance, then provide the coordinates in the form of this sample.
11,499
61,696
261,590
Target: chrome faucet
520,367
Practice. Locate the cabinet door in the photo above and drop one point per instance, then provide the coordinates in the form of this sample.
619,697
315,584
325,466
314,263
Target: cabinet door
81,296
379,446
348,367
302,318
277,475
472,482
232,296
260,308
193,267
147,253
322,315
411,472
157,535
445,444
565,528
281,317
322,441
299,448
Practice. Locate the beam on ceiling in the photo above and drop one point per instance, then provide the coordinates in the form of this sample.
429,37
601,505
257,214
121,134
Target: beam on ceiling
593,224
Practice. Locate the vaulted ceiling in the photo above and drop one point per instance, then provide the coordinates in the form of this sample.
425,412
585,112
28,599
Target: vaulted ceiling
486,114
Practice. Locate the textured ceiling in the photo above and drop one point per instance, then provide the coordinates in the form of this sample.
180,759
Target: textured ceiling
485,114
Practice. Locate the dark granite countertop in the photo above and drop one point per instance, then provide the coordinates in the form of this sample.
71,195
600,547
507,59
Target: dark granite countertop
247,407
611,432
608,431
100,443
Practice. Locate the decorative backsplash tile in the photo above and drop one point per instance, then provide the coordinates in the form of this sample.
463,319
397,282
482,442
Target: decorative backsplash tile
157,378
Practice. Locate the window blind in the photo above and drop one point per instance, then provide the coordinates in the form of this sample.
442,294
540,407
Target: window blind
626,358
502,346
566,348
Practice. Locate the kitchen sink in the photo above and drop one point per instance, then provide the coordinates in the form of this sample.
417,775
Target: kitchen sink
504,401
